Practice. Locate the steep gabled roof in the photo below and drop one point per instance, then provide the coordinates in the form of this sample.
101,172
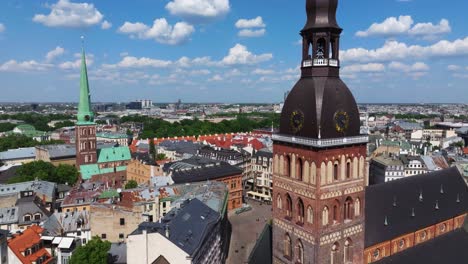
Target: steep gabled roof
393,203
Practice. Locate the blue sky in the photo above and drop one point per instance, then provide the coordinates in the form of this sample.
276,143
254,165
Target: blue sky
227,50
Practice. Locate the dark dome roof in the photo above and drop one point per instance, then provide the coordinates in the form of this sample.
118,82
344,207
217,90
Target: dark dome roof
321,14
318,99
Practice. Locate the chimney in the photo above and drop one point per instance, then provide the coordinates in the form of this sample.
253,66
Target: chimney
167,231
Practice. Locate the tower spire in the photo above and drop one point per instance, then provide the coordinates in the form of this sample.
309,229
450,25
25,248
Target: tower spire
85,114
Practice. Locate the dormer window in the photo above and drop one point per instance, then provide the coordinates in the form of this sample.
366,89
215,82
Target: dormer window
27,218
37,216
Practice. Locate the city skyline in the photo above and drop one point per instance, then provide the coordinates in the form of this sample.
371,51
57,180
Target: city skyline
227,51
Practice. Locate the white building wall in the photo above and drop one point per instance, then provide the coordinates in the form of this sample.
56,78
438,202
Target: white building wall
146,248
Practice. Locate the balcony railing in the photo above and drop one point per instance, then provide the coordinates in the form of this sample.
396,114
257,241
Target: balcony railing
320,63
322,143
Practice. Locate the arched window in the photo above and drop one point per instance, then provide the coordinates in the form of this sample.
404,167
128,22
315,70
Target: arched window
357,207
325,213
310,215
355,168
336,212
321,49
300,252
334,253
335,172
348,209
281,166
313,173
288,206
287,246
287,166
275,164
348,170
348,251
306,172
279,202
299,169
300,211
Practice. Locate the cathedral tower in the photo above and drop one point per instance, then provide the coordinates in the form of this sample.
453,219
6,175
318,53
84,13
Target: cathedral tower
319,156
85,130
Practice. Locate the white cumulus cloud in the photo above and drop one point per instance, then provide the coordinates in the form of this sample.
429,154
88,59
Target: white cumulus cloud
250,23
24,66
249,33
394,50
161,31
106,24
239,55
199,10
67,14
416,67
369,67
2,28
133,62
404,25
57,52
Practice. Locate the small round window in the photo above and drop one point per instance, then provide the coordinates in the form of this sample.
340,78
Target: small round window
401,243
376,253
443,227
423,235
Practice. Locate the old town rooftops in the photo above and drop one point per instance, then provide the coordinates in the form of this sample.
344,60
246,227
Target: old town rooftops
399,207
188,226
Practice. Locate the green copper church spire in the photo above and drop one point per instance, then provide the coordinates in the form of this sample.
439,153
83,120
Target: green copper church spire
85,114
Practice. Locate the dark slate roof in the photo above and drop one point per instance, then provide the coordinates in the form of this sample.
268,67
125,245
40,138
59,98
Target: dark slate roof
118,251
145,157
443,188
315,100
204,173
449,248
263,250
31,205
264,153
8,174
188,226
181,146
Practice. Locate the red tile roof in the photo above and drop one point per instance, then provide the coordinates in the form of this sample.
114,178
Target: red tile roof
30,237
465,151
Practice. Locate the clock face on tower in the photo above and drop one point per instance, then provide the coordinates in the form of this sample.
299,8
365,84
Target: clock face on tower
297,121
341,121
87,117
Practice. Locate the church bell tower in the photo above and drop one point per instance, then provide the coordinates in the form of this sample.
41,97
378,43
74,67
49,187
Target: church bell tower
319,167
85,129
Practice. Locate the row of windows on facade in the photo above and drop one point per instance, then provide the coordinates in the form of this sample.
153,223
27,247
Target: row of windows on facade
294,167
298,254
33,249
87,131
351,209
87,145
404,243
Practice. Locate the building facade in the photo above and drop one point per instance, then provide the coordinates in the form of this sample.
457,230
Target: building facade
319,156
261,175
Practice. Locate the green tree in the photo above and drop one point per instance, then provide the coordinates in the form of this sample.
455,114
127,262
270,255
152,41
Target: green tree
21,141
161,156
45,171
131,184
152,149
66,123
65,173
94,252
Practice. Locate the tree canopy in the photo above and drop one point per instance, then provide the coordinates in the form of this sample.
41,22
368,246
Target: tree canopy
45,171
39,121
22,141
94,252
131,184
158,128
